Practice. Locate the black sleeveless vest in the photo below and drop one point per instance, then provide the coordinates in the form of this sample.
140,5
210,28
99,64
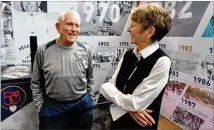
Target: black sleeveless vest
144,67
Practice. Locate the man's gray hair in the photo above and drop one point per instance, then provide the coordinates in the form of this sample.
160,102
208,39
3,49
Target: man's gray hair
61,16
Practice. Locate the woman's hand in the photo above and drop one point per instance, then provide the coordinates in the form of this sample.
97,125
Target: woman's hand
143,118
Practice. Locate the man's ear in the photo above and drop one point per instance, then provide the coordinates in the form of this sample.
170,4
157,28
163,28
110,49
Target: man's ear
57,25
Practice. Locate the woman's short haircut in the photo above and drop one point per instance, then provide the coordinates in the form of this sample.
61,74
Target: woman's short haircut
151,14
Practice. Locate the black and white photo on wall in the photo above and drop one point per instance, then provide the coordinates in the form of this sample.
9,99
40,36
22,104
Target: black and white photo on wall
6,6
184,65
101,57
7,19
30,6
120,52
8,38
1,38
1,20
206,69
185,15
6,24
104,18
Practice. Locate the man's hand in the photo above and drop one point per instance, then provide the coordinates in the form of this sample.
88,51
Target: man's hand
143,118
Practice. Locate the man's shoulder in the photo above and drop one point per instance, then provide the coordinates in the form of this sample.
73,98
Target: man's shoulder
50,43
83,46
44,46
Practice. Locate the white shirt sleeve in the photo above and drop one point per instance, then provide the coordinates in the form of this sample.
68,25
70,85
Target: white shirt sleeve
113,79
145,93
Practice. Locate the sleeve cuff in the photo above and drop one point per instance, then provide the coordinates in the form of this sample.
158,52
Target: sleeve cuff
108,90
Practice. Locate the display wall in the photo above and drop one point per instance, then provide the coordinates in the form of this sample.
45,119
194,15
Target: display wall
188,100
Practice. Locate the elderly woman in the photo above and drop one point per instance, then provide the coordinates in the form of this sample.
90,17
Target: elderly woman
137,86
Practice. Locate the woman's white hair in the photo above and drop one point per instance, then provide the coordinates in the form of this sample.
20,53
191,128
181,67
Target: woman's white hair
61,16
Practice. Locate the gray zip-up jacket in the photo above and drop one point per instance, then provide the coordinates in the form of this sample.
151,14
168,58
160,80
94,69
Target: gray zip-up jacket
62,73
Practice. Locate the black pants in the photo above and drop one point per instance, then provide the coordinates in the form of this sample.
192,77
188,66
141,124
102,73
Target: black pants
80,117
127,123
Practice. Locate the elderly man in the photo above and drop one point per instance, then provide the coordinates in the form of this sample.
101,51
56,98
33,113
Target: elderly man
142,73
62,82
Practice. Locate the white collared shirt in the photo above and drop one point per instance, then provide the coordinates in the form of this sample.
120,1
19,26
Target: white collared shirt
145,93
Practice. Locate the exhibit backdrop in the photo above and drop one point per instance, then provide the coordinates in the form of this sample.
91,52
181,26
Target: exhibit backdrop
188,99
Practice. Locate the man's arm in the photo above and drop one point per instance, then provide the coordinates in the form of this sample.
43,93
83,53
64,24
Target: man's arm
145,93
90,76
37,79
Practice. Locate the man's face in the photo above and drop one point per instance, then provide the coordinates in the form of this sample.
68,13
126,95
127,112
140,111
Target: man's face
30,6
69,29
